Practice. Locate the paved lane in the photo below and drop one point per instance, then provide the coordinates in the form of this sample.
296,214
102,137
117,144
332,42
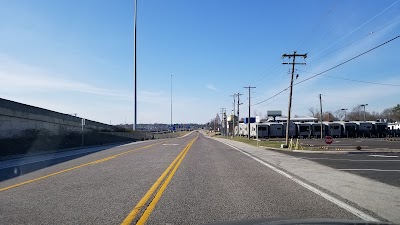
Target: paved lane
100,193
217,183
210,182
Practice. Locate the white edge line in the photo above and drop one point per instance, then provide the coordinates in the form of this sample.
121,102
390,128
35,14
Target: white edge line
186,134
328,197
356,160
385,156
377,170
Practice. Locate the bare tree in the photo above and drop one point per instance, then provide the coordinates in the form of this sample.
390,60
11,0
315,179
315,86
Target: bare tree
313,112
373,116
328,116
396,112
339,114
356,113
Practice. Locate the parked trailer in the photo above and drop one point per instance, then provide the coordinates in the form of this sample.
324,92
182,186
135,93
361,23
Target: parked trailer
333,129
394,129
316,129
379,129
364,129
292,130
275,129
260,128
303,129
242,129
349,129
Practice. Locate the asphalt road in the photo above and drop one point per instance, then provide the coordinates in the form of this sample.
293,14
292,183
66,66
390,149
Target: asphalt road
383,167
201,181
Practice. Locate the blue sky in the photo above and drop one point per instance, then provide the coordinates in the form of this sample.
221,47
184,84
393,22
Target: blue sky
77,56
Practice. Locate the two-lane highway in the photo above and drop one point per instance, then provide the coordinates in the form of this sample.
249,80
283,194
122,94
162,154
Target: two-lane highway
189,180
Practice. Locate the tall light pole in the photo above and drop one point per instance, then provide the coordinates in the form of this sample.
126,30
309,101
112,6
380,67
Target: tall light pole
345,113
171,101
135,25
363,105
248,125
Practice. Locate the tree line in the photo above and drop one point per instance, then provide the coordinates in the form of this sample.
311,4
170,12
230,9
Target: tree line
391,114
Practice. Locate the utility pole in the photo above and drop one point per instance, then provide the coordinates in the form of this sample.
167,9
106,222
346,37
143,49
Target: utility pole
238,104
234,114
248,121
135,22
238,94
222,121
294,55
320,105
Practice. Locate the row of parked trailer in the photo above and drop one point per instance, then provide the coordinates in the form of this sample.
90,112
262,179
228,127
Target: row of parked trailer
347,129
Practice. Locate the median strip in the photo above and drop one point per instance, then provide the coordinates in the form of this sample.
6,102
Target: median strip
143,209
75,167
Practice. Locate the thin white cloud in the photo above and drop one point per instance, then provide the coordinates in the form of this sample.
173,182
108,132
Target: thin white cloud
18,77
211,87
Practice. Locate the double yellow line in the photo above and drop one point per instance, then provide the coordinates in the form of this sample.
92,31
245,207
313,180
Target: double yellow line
76,167
143,209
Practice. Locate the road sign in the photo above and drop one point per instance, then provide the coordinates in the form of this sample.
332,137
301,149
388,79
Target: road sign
328,140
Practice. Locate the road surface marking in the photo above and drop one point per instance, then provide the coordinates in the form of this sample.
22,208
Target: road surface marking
186,134
385,156
377,170
158,188
328,197
355,160
74,168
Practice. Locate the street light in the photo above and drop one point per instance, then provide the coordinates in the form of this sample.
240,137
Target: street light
345,113
171,103
363,105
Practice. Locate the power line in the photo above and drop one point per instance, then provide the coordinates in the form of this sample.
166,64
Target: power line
318,24
318,74
360,81
357,28
372,32
327,33
272,96
340,64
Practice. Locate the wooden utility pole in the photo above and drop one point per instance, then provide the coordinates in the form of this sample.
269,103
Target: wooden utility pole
238,104
320,105
248,127
294,55
238,111
233,119
222,121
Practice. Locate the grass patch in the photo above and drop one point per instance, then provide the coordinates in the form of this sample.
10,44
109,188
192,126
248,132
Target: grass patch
264,143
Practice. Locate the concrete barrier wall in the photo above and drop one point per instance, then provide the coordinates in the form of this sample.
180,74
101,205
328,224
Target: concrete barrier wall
17,118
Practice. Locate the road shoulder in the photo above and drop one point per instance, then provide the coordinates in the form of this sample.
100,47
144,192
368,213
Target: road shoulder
381,199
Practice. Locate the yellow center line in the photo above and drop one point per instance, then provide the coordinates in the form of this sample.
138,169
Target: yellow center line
142,203
76,167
